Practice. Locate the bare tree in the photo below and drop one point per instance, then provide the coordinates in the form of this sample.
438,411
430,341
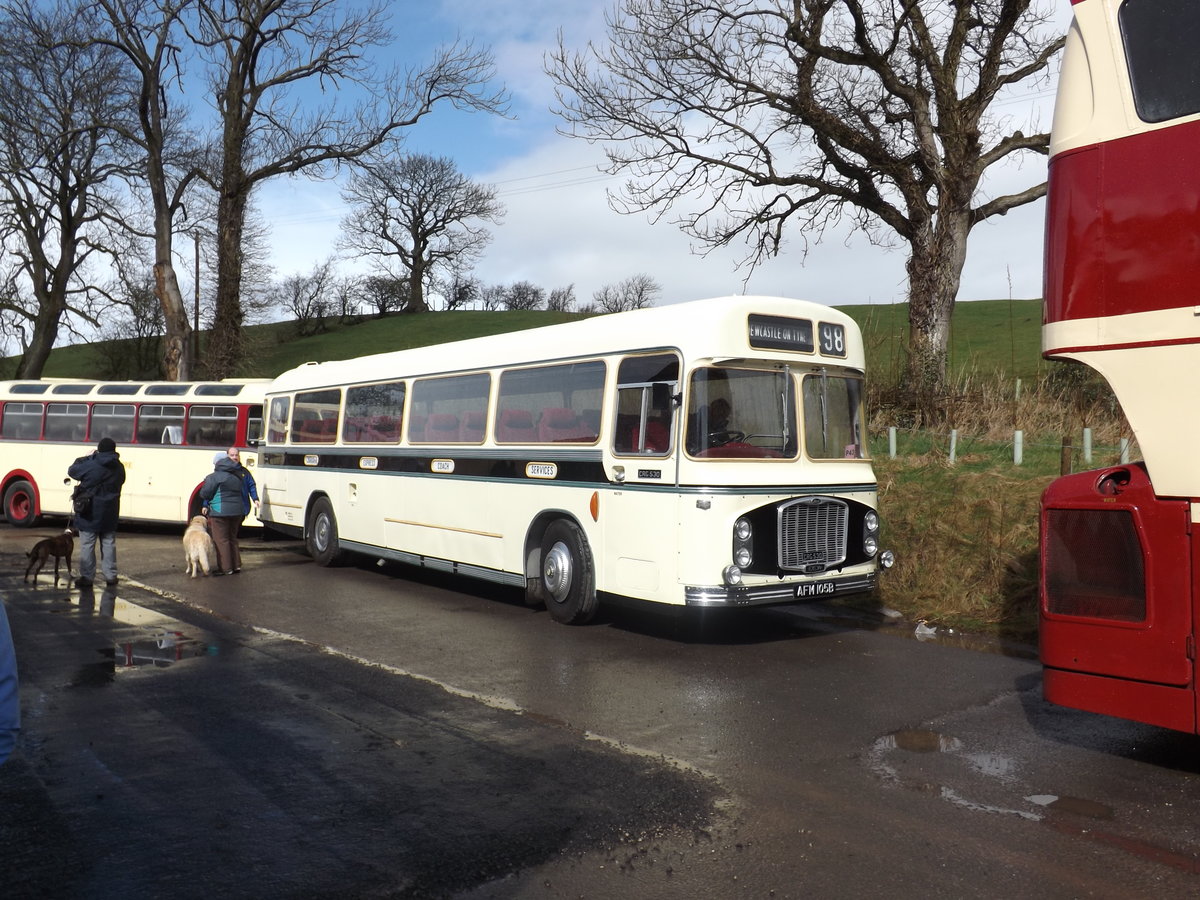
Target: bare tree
262,52
308,299
146,32
491,297
59,160
132,333
460,289
418,214
561,299
524,295
635,292
385,294
810,111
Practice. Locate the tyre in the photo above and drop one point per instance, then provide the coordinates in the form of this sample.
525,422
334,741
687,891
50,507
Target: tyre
20,505
321,534
567,573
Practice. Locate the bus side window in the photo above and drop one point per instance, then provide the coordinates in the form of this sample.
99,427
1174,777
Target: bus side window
646,404
277,424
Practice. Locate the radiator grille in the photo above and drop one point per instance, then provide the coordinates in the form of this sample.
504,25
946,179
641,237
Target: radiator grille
812,534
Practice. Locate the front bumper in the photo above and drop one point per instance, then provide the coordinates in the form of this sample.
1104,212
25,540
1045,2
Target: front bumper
767,594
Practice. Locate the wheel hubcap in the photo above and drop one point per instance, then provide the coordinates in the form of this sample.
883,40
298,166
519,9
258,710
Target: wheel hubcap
556,572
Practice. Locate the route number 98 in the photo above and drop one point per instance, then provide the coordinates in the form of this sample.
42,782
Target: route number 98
833,339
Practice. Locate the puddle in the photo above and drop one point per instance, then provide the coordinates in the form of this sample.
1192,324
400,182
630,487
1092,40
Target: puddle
1079,806
144,639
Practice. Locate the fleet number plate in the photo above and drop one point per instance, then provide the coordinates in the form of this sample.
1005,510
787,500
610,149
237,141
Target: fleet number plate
814,589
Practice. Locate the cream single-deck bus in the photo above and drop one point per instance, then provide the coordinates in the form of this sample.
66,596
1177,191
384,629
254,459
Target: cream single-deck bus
166,434
710,453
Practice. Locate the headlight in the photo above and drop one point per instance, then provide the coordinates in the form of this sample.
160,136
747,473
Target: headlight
870,545
732,575
742,529
871,521
742,556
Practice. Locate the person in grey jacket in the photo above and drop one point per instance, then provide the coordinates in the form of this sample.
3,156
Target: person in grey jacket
221,494
102,474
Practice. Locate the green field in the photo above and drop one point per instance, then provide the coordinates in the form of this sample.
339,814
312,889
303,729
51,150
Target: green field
987,336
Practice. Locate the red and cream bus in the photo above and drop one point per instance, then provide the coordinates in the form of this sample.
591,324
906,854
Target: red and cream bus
166,435
709,454
1120,546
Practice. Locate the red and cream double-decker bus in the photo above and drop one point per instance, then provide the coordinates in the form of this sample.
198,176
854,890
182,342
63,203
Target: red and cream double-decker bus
1120,546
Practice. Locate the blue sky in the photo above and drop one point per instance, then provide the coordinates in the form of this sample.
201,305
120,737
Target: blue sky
559,230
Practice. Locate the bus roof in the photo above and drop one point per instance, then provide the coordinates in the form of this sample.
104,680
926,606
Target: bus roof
67,389
714,328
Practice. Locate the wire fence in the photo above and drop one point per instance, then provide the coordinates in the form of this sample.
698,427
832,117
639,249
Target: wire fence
1076,451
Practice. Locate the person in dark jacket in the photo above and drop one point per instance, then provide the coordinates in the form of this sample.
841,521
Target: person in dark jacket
10,699
221,494
249,486
102,474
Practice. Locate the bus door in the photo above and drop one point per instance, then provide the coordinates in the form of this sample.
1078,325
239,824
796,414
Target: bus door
1116,597
647,430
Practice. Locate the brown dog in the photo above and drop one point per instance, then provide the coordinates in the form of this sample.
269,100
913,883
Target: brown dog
61,546
199,551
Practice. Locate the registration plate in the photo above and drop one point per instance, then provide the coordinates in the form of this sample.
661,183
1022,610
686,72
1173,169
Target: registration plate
814,589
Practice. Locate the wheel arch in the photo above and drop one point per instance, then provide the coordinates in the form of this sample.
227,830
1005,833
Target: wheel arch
533,547
21,475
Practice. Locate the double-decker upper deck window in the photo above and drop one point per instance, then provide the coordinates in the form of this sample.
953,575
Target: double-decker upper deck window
315,416
449,410
1162,51
374,412
551,404
212,426
833,417
114,420
22,421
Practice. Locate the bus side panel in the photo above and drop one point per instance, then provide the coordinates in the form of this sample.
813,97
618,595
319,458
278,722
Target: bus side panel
1116,594
441,516
642,535
1154,704
1106,205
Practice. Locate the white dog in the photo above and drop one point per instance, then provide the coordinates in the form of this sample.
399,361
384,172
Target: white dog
199,551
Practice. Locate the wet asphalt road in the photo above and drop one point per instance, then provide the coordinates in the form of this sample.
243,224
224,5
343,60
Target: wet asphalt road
366,731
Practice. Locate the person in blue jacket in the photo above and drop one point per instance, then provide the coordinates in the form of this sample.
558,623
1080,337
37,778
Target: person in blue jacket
221,494
10,700
102,474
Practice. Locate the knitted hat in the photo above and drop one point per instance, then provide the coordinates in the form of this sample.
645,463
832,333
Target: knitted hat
106,445
218,457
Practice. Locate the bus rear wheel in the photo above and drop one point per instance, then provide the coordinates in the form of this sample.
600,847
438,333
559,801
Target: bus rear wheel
19,504
568,575
321,534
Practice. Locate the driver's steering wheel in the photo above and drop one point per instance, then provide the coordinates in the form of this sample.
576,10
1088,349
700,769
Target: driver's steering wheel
721,438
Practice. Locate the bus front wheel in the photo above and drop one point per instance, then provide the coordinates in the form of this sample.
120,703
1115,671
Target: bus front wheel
567,574
321,535
19,504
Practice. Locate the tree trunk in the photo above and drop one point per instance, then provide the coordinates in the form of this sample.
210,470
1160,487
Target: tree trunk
41,341
935,267
226,346
416,286
177,345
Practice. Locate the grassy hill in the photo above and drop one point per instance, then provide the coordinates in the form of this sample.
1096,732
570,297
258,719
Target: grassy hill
987,336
